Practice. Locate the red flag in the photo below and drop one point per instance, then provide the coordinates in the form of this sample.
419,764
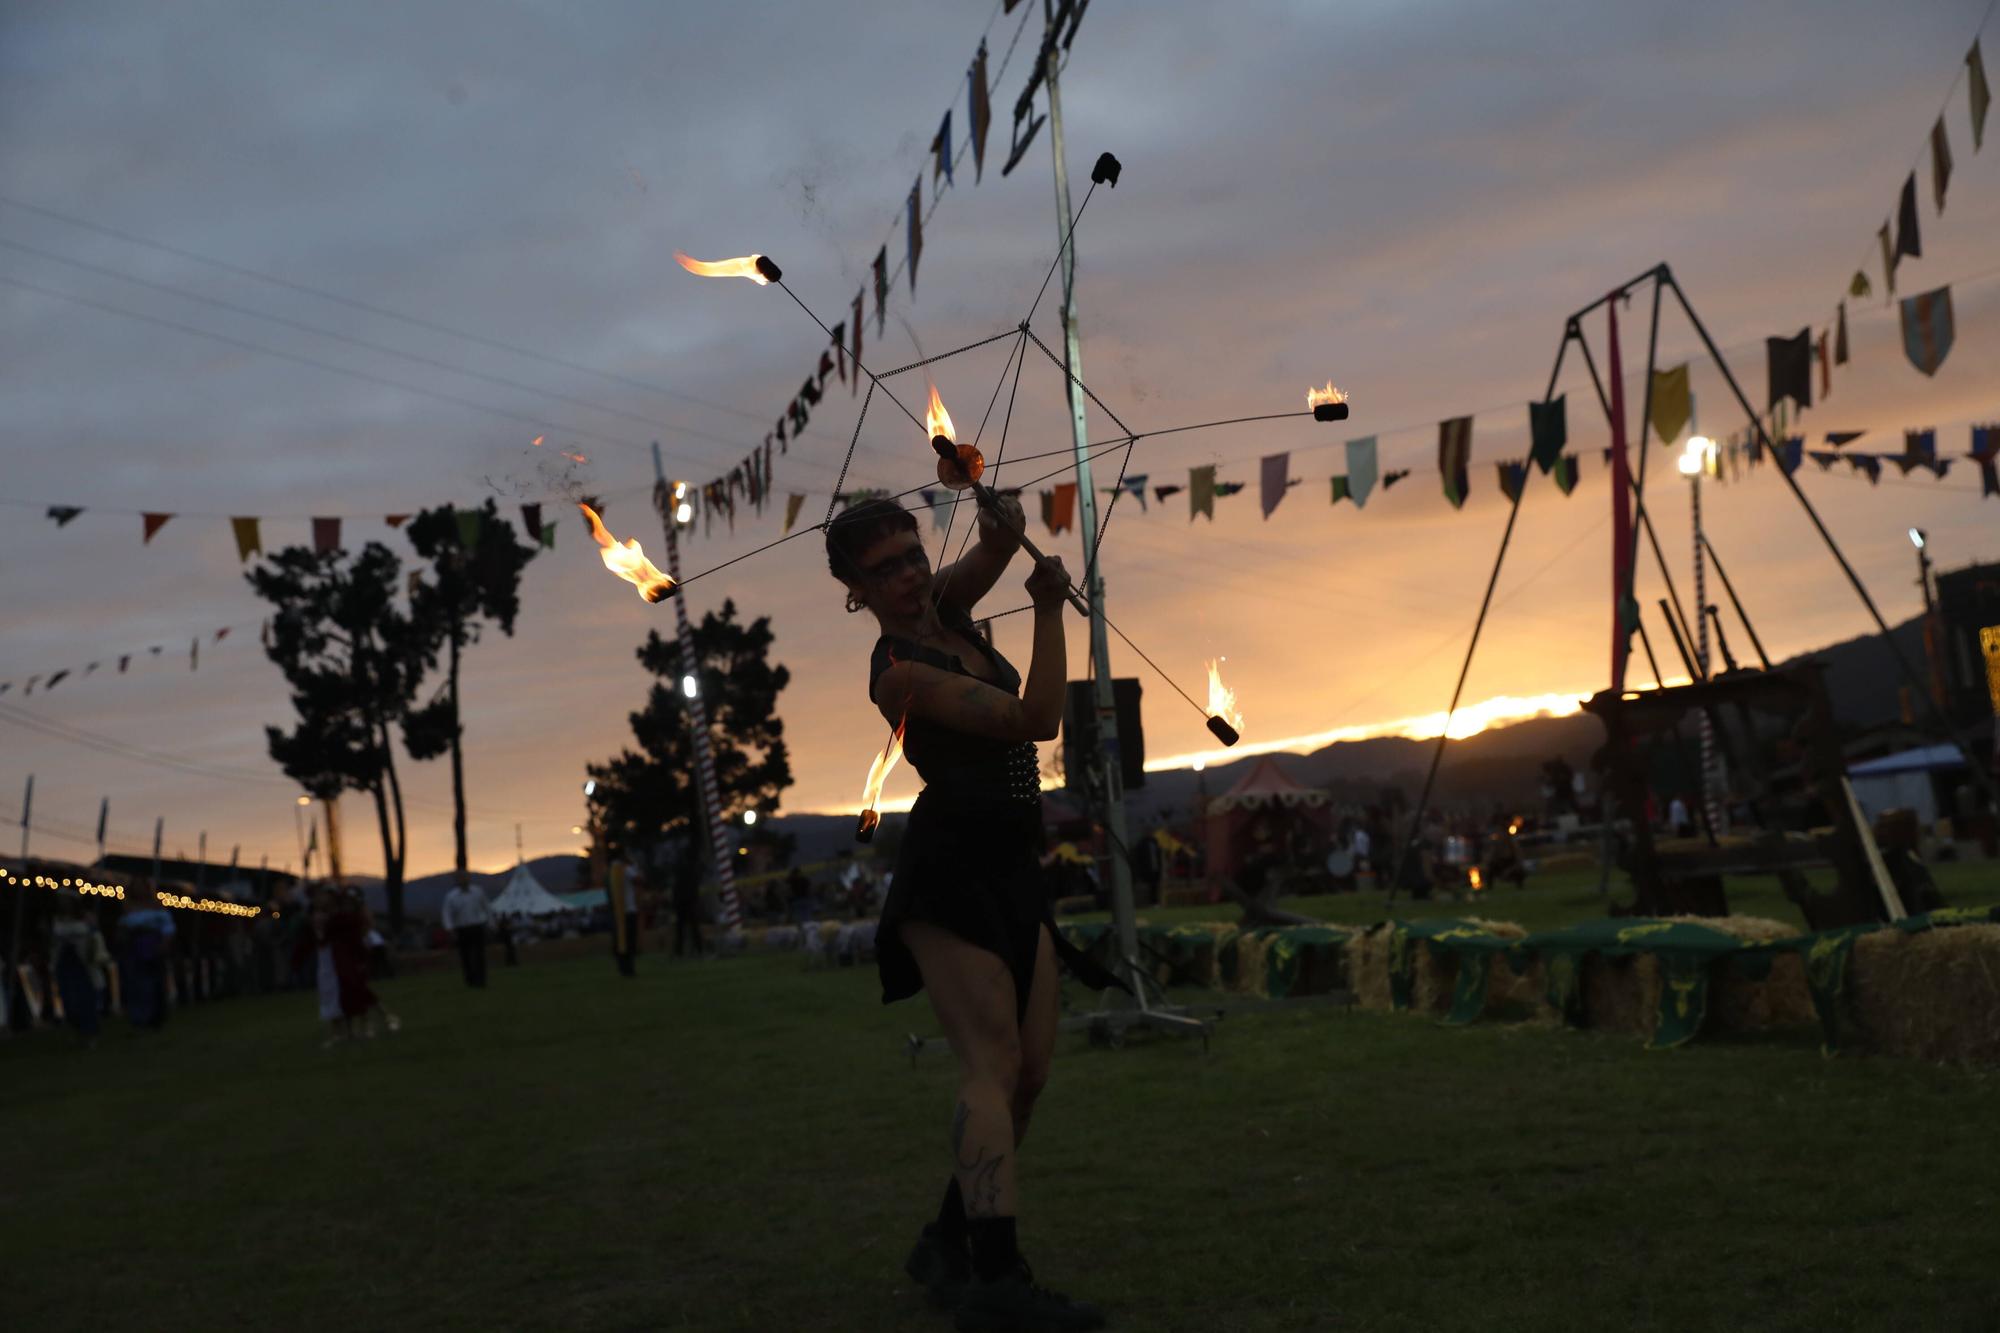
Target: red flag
326,536
855,386
397,520
154,522
1621,511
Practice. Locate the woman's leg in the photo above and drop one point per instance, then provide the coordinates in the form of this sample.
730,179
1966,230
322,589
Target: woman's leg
972,993
1038,1034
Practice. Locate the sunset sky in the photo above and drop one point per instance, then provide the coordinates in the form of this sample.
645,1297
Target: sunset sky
1408,199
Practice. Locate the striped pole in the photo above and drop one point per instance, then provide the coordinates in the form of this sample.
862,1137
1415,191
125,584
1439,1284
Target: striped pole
1708,783
704,758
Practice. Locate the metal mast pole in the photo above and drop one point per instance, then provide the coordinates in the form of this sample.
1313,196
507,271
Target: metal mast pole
1707,727
1104,757
704,760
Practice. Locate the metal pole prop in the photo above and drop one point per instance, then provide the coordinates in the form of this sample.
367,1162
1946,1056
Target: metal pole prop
704,759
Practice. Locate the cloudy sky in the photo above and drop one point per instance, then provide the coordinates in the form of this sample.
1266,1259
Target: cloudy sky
349,260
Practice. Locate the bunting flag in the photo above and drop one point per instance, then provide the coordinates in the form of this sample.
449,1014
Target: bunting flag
222,634
1389,479
1940,164
1564,473
531,521
1858,285
396,520
1049,510
57,679
89,669
124,661
1920,448
1928,329
1791,453
881,289
1908,240
792,504
980,112
1275,469
1224,489
1360,469
1454,454
1840,336
1825,366
1888,262
153,523
916,230
1513,479
1868,463
1137,486
62,514
472,521
1985,446
1672,403
839,360
1790,368
1826,458
854,386
1548,428
326,536
1201,492
941,151
1976,94
249,541
1841,438
549,535
935,500
194,653
1165,493
1340,490
1064,509
30,687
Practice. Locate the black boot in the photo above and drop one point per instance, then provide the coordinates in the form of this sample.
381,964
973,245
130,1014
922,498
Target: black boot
943,1268
1013,1302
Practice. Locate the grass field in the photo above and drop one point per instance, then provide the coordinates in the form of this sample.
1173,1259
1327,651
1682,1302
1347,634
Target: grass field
742,1145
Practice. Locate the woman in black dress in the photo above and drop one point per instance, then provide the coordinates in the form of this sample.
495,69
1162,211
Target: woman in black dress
966,919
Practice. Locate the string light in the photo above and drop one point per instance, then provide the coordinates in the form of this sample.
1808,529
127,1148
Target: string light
207,905
9,879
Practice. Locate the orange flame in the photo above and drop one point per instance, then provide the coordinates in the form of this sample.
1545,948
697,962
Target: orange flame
878,772
539,439
1513,828
746,267
627,561
1314,397
1222,699
1473,877
938,421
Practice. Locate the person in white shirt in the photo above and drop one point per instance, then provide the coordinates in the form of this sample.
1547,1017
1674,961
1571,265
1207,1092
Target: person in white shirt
465,915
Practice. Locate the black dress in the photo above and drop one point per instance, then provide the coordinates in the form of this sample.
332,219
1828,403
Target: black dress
971,855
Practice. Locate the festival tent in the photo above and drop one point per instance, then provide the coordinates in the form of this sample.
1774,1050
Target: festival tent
1266,804
1905,781
525,896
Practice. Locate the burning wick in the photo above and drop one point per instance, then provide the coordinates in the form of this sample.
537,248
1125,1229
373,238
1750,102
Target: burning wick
754,267
1475,879
878,773
627,561
959,465
1223,717
1328,404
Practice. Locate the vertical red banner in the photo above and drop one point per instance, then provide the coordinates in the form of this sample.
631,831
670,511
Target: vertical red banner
1621,510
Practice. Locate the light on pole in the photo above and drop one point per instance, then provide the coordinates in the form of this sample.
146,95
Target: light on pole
1696,458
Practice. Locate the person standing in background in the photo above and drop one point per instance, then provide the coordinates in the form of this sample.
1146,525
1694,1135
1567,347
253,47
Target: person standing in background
687,914
624,897
465,916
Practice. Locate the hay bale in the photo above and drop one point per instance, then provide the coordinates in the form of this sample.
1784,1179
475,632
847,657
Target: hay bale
1368,967
1933,995
1623,994
1437,969
1249,977
1435,972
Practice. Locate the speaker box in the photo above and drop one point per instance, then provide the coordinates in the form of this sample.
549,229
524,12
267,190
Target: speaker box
1079,732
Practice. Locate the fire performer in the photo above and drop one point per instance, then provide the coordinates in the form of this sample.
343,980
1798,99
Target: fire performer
966,919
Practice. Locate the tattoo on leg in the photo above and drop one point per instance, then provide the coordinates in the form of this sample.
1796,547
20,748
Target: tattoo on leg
982,1190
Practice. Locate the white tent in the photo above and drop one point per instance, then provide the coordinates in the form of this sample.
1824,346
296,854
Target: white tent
525,896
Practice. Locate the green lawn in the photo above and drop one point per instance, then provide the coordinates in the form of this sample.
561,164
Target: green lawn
743,1145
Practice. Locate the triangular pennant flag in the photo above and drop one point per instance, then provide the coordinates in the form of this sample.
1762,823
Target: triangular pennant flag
1513,479
471,522
153,523
1940,466
1868,463
1792,453
1063,515
1940,164
1137,486
1928,329
1985,446
249,541
1163,493
1858,285
1672,404
1201,492
792,503
1389,479
1361,469
1840,337
1888,261
1840,438
839,360
194,653
1920,447
222,633
980,112
1826,458
1908,240
881,289
1790,368
941,151
6,685
549,535
1548,428
1225,489
57,679
396,520
326,536
854,385
531,521
1454,455
916,230
1825,366
1273,470
157,649
123,662
62,514
1565,473
1340,490
1977,94
1048,499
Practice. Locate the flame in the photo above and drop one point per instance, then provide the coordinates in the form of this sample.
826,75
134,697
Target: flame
1222,699
1473,877
745,267
938,421
538,440
1513,828
878,773
1314,397
627,561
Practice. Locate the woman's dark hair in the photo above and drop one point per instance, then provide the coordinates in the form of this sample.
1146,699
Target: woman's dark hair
857,529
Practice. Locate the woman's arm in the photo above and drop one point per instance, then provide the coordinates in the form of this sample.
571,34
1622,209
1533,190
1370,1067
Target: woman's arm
969,578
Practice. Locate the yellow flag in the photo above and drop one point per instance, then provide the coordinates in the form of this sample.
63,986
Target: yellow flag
1671,403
